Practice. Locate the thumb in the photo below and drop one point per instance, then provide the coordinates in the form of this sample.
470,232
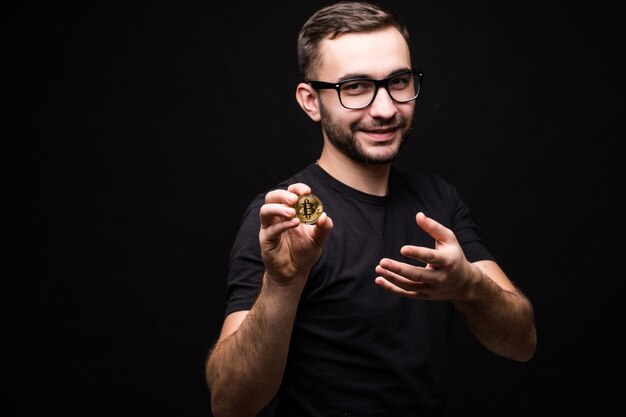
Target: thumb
323,227
435,229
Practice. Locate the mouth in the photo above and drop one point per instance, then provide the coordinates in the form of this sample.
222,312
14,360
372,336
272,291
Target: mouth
381,134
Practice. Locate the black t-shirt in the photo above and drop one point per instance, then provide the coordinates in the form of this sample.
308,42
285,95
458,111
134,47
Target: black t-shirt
357,350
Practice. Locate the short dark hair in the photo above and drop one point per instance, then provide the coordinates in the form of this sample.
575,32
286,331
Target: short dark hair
334,20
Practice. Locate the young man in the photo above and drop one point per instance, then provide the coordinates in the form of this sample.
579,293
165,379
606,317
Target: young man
349,315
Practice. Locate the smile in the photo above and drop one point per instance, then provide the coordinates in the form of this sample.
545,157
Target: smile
381,135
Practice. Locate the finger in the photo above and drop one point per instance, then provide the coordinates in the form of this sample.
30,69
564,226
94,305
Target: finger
433,228
281,196
402,281
382,282
274,231
391,269
322,229
429,256
299,189
273,213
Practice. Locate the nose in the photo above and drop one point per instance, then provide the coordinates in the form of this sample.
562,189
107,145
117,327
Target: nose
383,106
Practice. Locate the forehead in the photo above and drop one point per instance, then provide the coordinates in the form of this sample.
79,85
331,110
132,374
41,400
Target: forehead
374,54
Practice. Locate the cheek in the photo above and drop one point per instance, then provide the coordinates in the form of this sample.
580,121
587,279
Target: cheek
354,119
344,118
407,112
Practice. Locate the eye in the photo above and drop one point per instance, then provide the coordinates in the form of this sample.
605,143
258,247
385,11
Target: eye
401,81
357,87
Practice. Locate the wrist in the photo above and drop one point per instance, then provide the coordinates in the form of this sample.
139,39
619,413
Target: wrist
281,283
472,288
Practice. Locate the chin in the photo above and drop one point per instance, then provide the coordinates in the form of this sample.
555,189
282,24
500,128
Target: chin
383,154
376,158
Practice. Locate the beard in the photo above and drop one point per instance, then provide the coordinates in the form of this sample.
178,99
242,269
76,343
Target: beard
344,140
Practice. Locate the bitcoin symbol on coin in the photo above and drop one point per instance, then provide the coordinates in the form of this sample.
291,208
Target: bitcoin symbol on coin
309,208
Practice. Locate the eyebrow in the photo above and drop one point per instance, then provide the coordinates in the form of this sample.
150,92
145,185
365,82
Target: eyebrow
360,75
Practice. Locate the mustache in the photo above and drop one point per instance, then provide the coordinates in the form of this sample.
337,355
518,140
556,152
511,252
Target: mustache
397,122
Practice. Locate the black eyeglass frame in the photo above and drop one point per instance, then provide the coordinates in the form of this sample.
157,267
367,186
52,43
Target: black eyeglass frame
322,85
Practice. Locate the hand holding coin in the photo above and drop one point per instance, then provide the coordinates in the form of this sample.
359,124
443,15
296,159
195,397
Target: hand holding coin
309,208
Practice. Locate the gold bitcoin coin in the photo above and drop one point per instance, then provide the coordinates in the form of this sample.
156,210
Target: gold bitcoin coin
309,208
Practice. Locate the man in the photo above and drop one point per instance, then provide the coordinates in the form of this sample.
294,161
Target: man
349,315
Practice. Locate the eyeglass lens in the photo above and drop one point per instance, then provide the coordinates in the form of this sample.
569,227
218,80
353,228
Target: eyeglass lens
360,93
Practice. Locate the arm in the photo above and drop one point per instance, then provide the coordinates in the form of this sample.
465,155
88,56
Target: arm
245,367
498,314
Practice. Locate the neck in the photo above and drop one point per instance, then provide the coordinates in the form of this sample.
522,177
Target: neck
368,178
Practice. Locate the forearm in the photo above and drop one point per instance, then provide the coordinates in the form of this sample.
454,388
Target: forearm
245,369
502,320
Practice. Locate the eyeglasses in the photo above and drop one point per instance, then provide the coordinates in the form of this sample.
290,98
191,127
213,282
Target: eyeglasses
358,93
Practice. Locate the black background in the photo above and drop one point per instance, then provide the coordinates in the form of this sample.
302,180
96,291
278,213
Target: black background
135,134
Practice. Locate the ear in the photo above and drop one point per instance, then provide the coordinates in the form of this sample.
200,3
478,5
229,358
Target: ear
307,98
